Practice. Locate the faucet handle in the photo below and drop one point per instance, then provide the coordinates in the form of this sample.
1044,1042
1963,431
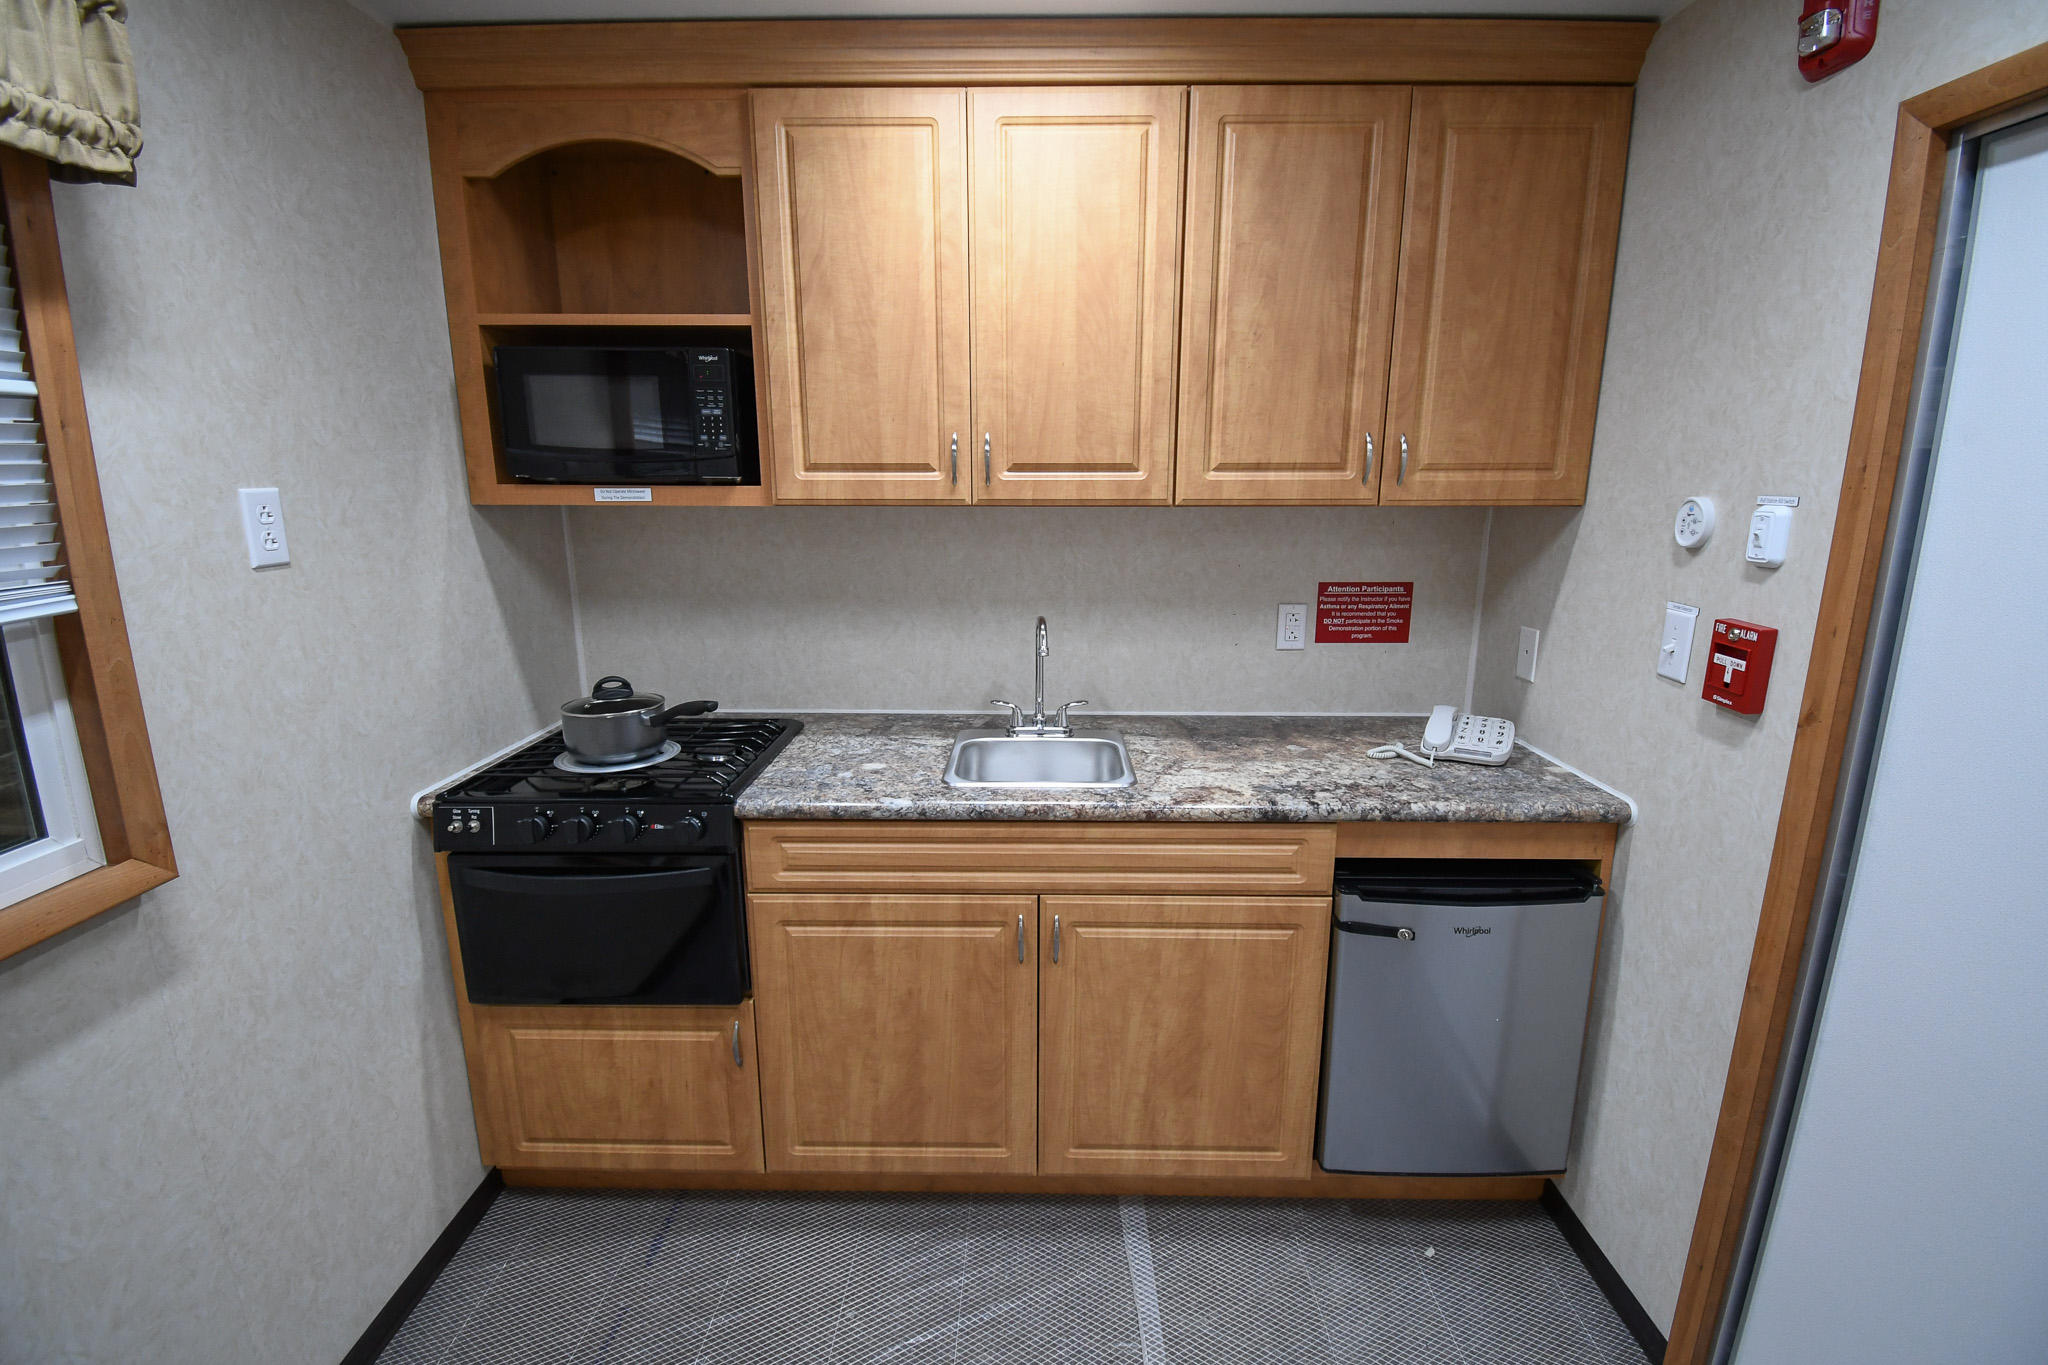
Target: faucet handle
1064,706
1016,713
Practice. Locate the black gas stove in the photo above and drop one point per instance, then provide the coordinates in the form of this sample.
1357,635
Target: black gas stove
527,802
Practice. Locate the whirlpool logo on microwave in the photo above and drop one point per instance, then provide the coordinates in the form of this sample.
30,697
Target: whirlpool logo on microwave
1471,930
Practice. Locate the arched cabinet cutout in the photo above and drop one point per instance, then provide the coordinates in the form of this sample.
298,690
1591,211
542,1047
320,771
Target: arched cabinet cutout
604,227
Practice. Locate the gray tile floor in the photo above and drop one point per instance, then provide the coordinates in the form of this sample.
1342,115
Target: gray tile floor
752,1279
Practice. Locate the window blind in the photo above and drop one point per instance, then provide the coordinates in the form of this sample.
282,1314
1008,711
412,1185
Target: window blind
34,580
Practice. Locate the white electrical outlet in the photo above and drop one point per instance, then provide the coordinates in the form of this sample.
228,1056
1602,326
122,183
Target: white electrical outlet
1525,657
263,526
1293,626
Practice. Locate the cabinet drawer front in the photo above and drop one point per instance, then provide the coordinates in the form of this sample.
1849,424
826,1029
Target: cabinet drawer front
1180,1035
898,1032
621,1089
830,855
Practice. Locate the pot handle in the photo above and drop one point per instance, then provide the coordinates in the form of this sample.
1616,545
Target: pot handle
611,688
686,708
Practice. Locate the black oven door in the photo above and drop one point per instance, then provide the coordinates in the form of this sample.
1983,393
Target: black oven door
598,929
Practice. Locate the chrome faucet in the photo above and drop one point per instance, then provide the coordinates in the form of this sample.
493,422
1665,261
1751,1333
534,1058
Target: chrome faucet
1036,723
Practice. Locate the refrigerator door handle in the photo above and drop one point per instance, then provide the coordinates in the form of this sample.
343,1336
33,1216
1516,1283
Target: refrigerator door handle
1402,932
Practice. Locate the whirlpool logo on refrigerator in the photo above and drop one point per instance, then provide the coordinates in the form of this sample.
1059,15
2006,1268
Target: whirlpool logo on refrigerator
1471,930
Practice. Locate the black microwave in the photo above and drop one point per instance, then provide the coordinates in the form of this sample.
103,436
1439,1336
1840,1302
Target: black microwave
628,414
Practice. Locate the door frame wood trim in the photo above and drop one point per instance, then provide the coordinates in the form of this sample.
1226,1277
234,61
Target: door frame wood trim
1926,125
812,52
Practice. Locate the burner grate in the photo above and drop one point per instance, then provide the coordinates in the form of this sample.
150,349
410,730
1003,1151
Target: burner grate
719,755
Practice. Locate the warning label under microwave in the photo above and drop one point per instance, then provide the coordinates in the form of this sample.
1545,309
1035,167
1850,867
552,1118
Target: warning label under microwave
1364,613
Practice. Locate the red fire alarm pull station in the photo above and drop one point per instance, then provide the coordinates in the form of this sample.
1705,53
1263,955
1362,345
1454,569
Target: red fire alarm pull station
1834,34
1739,665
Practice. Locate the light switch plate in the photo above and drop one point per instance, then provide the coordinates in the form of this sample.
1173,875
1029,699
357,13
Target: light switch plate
1674,652
263,527
1770,535
1293,626
1525,657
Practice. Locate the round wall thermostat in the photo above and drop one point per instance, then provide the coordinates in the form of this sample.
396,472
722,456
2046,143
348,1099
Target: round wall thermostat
1695,522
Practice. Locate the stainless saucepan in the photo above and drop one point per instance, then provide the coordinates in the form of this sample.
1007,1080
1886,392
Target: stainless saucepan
615,724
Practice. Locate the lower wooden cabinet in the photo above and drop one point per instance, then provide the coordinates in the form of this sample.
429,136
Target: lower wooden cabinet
1180,1035
945,1033
627,1089
898,1032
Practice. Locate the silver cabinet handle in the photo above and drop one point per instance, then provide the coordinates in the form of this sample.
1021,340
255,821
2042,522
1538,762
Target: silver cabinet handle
1402,476
1367,478
956,456
1055,938
736,1045
1020,938
987,476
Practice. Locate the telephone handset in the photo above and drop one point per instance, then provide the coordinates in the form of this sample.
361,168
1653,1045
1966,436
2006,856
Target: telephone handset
1458,737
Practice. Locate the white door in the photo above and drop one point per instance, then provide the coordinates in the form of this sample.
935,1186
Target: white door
1911,1218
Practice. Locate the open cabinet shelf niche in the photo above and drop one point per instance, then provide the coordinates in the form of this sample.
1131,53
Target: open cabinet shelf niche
608,228
633,234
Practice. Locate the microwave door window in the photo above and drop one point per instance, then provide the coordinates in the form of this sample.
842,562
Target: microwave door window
570,411
643,412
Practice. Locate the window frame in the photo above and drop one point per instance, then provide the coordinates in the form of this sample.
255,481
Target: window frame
92,646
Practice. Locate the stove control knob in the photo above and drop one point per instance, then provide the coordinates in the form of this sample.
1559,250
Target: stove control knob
532,829
690,827
577,828
623,829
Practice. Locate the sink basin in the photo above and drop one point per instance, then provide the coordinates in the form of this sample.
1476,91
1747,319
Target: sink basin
993,758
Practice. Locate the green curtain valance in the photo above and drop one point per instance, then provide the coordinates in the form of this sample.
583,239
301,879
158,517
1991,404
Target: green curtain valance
67,87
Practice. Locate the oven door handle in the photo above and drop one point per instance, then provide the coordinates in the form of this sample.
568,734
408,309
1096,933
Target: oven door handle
548,884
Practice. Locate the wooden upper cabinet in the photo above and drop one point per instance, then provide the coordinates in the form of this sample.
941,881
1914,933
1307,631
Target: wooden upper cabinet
1507,263
860,205
1180,1035
898,1033
1287,292
1076,230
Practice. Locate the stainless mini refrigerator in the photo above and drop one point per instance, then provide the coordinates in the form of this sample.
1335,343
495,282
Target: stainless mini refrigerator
1457,1014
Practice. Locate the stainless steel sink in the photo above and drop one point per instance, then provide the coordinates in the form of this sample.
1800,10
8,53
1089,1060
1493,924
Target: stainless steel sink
996,758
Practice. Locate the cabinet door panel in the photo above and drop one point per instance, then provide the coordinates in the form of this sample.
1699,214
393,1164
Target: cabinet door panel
1076,227
1287,294
1181,1035
898,1033
1507,263
616,1088
861,206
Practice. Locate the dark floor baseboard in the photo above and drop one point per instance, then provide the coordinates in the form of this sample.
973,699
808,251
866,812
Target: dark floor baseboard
392,1316
1604,1274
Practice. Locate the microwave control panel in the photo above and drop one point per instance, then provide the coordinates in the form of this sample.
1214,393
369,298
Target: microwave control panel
711,397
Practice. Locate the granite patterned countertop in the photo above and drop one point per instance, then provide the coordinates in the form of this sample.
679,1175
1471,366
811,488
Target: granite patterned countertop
1312,769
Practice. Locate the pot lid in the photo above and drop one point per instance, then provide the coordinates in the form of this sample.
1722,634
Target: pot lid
613,696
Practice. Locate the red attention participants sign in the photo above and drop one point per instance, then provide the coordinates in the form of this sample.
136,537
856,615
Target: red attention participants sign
1363,613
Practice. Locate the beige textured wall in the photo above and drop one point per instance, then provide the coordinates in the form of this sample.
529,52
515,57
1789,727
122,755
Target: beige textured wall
1168,609
233,1114
1748,244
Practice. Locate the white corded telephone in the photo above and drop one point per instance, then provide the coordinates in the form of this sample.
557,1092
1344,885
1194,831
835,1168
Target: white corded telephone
1458,737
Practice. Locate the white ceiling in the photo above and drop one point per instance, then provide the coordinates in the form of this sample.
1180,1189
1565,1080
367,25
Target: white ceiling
546,11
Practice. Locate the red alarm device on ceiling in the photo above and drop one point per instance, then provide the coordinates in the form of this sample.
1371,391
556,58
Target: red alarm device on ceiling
1739,665
1834,34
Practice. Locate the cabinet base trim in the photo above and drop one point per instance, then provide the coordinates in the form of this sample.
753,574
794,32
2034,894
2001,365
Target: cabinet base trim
1319,1185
